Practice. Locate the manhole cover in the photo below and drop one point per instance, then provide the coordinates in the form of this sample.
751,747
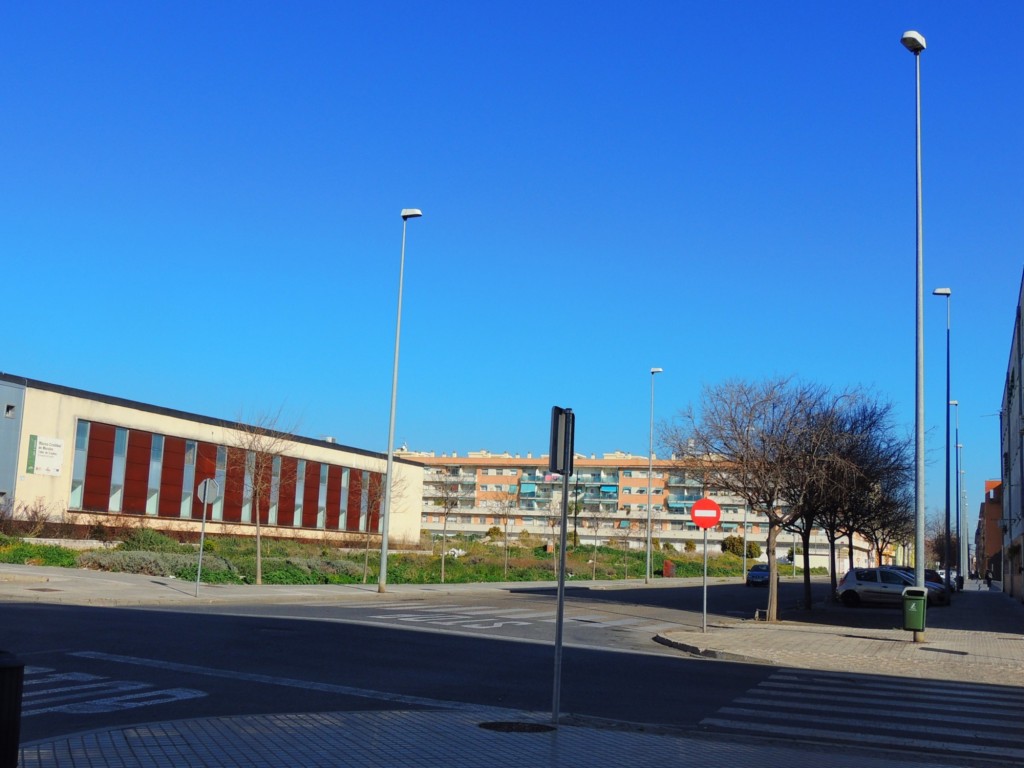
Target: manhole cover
510,727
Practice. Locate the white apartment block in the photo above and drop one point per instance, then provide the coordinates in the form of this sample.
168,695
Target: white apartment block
607,501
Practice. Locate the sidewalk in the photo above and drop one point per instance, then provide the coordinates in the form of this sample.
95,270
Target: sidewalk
980,639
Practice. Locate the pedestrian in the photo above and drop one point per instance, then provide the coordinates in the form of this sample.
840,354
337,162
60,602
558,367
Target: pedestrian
988,577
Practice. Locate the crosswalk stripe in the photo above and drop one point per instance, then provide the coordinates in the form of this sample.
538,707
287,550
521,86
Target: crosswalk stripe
774,729
968,719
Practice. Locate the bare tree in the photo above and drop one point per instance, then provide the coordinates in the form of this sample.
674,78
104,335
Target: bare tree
448,495
745,439
257,444
595,519
375,500
506,505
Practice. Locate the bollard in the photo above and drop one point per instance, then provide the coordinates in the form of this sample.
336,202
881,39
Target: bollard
12,677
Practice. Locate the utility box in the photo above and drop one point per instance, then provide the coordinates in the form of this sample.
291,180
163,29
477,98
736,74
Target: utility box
668,569
915,605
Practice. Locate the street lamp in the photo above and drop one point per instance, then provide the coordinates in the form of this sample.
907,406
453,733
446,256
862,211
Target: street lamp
650,471
947,293
914,42
407,213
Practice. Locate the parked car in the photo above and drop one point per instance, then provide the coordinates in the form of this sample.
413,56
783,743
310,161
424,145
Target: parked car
930,576
884,585
757,575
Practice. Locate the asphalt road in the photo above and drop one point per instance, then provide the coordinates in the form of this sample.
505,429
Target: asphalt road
89,668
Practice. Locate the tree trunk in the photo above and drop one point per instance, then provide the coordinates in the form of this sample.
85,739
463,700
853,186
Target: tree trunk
805,537
832,564
850,535
773,571
259,540
444,545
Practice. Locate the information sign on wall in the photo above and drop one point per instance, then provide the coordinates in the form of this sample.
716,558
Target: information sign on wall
45,455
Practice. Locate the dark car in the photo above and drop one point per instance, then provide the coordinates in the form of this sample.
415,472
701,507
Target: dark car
757,576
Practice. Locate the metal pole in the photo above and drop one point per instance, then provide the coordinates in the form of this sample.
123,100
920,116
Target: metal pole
385,518
947,547
704,619
557,693
202,541
650,471
914,43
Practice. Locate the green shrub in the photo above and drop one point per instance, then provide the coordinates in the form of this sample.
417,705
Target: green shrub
147,540
22,553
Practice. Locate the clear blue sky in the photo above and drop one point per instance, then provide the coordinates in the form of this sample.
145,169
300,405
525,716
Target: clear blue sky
199,208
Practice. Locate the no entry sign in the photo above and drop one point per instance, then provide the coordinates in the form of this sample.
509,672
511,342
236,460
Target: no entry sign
705,513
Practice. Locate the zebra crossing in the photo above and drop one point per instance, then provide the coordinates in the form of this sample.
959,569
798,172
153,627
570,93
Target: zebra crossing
48,691
967,721
491,617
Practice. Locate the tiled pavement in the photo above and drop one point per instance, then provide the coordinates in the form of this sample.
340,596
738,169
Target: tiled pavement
980,639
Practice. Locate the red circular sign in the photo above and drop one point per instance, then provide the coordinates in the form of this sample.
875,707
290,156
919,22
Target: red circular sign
705,513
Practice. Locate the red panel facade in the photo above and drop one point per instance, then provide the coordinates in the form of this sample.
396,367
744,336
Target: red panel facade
206,468
234,485
355,500
136,472
286,502
334,475
171,477
311,495
98,466
376,499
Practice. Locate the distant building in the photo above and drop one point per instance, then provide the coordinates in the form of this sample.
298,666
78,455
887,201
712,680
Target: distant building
988,539
608,501
83,459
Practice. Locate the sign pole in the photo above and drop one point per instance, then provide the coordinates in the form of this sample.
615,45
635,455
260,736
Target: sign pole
563,430
705,513
704,622
208,491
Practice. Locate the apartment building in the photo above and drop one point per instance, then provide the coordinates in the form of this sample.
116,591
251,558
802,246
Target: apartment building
608,499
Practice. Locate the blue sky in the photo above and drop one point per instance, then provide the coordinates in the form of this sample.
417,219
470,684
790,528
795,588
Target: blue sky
199,208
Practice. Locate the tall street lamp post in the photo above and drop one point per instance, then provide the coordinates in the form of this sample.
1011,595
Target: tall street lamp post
650,472
385,518
946,554
914,42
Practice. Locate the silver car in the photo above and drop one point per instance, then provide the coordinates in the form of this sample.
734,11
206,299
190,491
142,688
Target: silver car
883,586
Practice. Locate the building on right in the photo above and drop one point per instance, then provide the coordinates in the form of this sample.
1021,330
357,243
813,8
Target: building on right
1011,443
988,537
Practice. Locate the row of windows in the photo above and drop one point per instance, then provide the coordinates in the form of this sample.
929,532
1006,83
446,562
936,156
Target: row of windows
132,471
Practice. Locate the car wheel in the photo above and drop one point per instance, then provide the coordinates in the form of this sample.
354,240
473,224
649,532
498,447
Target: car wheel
850,599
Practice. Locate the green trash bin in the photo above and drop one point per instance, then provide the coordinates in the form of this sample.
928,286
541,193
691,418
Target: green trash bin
915,605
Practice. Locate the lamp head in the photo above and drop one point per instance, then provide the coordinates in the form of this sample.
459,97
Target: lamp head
411,213
913,41
954,402
942,292
657,370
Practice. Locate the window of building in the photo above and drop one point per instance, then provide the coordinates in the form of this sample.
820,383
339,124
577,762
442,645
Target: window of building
188,478
78,469
343,512
220,474
275,490
321,504
156,461
364,502
117,470
300,492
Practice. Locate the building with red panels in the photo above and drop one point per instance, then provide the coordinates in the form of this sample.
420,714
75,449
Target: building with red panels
84,459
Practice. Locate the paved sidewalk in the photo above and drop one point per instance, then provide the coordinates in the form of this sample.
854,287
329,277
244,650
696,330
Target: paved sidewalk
980,639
